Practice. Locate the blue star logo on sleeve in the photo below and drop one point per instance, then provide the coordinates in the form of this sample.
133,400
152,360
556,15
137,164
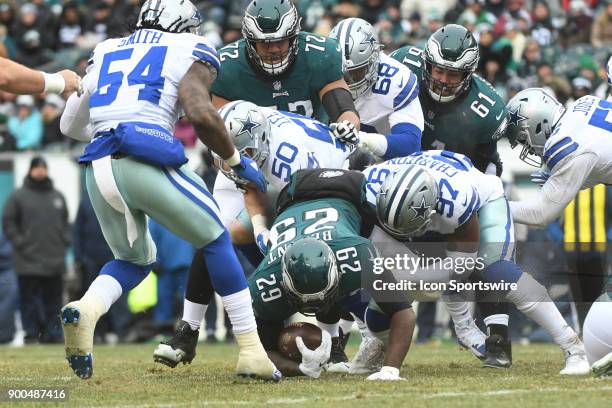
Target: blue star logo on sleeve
516,118
421,210
247,125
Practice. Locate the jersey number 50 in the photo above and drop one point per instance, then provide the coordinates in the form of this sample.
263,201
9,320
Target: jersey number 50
147,72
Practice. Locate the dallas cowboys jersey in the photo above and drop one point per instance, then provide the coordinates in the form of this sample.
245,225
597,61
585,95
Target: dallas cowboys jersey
586,127
457,179
136,77
392,100
296,142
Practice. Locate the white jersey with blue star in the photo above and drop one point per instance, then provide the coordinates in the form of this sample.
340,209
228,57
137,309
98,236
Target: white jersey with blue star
296,142
463,189
392,100
136,78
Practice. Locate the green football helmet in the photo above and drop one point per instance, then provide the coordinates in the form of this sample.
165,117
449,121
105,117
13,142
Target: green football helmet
310,275
452,48
269,21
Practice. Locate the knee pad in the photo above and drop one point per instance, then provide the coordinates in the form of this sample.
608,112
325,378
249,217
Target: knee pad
128,274
502,270
376,321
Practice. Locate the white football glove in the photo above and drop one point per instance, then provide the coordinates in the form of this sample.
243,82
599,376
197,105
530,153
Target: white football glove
374,142
540,177
314,360
386,373
345,131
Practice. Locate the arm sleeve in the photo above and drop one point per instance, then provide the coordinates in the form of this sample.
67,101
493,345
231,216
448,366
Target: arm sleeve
562,186
74,122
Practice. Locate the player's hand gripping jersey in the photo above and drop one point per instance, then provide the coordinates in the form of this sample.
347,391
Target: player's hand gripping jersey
318,62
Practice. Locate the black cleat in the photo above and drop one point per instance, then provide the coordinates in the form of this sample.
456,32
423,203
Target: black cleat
180,348
338,360
498,352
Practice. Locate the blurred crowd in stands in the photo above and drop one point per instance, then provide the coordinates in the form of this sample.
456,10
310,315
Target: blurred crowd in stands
559,44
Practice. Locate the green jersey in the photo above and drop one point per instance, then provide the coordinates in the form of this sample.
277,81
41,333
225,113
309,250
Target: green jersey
471,124
318,63
333,220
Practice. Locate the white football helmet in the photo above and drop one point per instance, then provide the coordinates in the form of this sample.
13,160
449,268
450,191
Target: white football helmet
406,201
532,116
173,16
361,52
249,130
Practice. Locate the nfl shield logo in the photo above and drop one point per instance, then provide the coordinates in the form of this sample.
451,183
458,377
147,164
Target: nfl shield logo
277,85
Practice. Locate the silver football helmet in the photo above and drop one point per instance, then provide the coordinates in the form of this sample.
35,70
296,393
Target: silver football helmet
249,129
406,201
361,52
532,116
173,16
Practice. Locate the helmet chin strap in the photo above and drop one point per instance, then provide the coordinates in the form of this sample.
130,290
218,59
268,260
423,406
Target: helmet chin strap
440,98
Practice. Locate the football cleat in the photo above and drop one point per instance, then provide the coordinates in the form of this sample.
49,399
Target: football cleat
369,358
498,352
575,360
338,361
180,348
253,361
78,323
472,338
603,366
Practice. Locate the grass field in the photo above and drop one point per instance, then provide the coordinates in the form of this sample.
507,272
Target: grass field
125,376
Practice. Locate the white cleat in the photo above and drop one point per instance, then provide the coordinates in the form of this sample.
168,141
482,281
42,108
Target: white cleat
253,361
339,368
603,366
575,360
472,338
78,322
369,358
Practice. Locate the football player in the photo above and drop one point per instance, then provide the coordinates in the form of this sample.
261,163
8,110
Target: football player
277,65
574,144
597,334
281,143
463,113
441,192
317,257
385,92
134,90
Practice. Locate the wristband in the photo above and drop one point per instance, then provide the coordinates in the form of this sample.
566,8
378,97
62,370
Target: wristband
54,83
234,159
259,224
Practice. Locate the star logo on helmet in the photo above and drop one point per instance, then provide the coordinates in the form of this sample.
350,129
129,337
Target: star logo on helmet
421,210
516,118
369,40
247,125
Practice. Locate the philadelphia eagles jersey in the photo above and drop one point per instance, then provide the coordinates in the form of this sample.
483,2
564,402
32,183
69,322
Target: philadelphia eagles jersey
471,124
457,183
333,220
136,77
318,63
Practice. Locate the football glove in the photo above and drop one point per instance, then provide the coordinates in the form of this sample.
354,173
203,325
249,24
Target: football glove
374,142
248,170
345,131
314,360
540,177
386,373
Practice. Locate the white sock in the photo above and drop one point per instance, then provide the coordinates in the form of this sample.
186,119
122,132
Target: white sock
501,319
459,312
193,313
240,312
106,288
547,315
346,325
331,328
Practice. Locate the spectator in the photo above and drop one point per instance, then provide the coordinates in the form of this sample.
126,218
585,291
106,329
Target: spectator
557,84
514,12
50,113
601,34
371,10
543,31
91,253
577,29
174,256
71,26
185,132
7,111
27,127
8,292
580,87
532,56
475,14
35,221
31,39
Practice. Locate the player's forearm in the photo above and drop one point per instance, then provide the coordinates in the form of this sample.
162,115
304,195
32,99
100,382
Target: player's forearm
288,368
400,336
537,212
351,117
74,122
19,79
